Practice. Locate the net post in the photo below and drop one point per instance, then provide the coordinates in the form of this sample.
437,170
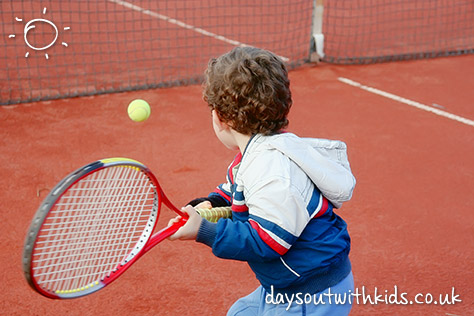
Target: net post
317,38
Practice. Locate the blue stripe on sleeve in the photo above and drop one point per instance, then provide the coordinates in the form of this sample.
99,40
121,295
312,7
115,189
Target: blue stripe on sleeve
313,202
239,196
274,228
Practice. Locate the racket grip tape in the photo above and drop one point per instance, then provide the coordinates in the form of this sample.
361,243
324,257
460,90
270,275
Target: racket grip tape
214,214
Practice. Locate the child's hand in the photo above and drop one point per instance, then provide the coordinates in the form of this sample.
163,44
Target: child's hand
204,204
190,229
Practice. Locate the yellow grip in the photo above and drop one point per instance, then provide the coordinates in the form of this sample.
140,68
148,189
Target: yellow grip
214,214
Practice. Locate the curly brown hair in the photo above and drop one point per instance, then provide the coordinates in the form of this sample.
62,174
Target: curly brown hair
250,90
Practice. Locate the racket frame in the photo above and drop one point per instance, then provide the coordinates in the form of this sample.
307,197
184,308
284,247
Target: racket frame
55,195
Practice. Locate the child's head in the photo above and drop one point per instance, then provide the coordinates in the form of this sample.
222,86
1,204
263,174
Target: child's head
249,90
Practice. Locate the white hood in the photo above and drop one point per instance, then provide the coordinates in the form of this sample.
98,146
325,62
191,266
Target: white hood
324,161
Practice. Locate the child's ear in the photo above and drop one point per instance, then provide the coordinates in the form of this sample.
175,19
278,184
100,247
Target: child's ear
217,121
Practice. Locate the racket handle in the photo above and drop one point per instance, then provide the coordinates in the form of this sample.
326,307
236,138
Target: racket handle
214,214
210,214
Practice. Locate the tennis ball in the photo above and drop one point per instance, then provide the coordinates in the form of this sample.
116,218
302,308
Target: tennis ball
139,110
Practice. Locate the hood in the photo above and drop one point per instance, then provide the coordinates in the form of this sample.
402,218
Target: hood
324,161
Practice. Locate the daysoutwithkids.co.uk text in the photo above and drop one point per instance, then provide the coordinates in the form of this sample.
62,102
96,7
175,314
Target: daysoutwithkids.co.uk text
363,296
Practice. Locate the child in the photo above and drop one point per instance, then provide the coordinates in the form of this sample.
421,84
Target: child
282,190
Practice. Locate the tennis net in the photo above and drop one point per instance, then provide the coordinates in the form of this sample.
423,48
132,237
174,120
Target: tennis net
65,48
367,31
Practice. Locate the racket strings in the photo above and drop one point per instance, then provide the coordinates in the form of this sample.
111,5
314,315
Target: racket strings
111,231
83,267
93,227
76,233
95,211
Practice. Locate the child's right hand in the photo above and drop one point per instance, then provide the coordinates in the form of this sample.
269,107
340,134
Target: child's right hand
190,229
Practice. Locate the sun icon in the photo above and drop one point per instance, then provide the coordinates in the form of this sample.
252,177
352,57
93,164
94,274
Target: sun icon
31,25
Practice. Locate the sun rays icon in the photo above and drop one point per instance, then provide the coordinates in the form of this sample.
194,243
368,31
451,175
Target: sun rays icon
31,25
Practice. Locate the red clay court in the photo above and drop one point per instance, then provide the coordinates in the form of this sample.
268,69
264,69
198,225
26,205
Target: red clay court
410,132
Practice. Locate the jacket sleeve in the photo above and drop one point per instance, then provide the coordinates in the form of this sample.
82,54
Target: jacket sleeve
277,217
235,240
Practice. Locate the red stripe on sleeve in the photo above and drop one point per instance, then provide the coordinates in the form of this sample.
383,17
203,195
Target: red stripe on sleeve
267,239
237,160
221,193
239,208
323,209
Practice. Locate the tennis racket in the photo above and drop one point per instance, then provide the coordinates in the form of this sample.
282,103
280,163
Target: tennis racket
94,225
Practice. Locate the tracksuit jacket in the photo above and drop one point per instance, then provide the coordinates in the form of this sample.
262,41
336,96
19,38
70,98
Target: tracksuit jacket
283,191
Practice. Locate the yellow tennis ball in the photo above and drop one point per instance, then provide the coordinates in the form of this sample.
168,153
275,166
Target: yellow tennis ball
139,110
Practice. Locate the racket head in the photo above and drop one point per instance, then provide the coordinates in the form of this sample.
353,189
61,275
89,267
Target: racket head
91,227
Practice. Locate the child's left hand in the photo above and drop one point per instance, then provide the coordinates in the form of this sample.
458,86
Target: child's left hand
190,229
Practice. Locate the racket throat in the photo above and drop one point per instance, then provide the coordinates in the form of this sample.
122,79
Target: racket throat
163,234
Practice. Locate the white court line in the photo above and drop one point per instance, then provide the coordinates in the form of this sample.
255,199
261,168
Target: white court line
408,102
184,25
